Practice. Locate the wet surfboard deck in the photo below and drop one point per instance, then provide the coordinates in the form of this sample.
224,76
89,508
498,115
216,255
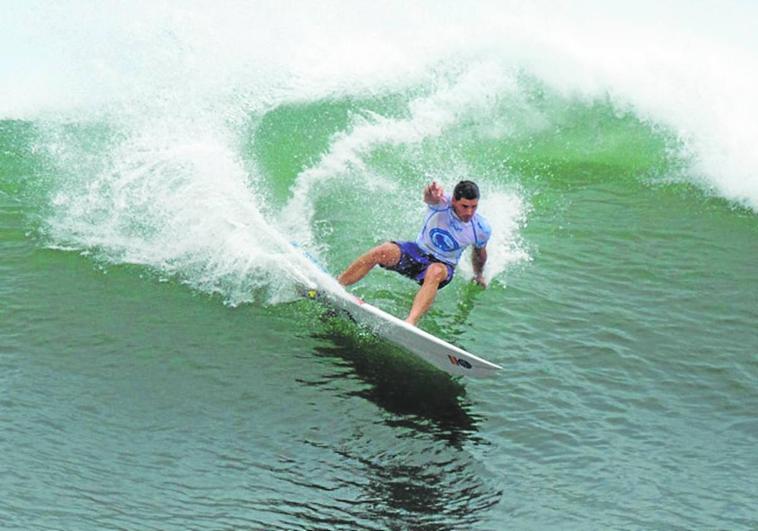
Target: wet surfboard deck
438,352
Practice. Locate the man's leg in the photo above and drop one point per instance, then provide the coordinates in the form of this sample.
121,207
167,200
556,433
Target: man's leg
435,275
386,254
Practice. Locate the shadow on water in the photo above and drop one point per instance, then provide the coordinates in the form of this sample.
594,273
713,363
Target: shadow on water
418,484
441,495
418,396
421,474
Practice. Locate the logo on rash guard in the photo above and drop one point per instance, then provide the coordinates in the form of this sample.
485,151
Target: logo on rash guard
443,240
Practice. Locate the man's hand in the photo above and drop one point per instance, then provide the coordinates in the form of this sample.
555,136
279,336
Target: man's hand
433,194
479,279
478,259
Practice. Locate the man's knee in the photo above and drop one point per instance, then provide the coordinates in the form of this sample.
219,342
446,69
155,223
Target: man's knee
386,254
436,273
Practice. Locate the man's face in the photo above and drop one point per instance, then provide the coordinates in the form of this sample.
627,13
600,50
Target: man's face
465,208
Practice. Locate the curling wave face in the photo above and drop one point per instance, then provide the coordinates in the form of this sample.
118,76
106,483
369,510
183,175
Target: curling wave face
155,120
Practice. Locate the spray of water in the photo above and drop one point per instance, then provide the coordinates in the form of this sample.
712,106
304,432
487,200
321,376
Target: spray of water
177,84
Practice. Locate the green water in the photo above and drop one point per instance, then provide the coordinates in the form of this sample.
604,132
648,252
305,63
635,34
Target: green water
148,380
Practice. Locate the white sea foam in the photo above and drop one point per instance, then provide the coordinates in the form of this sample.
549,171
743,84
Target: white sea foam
180,80
506,212
184,210
474,92
688,66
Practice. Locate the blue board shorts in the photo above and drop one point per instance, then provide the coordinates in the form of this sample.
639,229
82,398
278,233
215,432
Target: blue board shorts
414,262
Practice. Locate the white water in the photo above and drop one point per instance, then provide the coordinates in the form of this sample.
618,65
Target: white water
179,81
687,65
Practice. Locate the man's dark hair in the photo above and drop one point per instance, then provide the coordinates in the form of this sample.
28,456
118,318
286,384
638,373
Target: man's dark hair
466,190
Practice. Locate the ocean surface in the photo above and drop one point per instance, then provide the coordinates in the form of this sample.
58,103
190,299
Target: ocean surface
159,371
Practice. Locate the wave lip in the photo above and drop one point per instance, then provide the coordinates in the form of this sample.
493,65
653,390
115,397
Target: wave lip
693,74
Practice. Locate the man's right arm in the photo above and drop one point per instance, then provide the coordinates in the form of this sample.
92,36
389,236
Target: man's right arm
433,194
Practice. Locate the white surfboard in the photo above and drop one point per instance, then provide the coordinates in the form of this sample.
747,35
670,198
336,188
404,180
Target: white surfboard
440,353
316,282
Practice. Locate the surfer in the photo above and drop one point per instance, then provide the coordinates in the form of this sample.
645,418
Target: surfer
451,225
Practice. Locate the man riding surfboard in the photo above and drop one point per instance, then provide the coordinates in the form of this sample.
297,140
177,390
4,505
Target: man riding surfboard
451,225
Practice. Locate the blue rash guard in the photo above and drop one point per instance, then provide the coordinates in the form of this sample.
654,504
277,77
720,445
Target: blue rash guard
442,239
445,236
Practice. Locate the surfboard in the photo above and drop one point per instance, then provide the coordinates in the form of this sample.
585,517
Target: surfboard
435,351
316,283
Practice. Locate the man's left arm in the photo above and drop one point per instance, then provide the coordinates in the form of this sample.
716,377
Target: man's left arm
479,258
